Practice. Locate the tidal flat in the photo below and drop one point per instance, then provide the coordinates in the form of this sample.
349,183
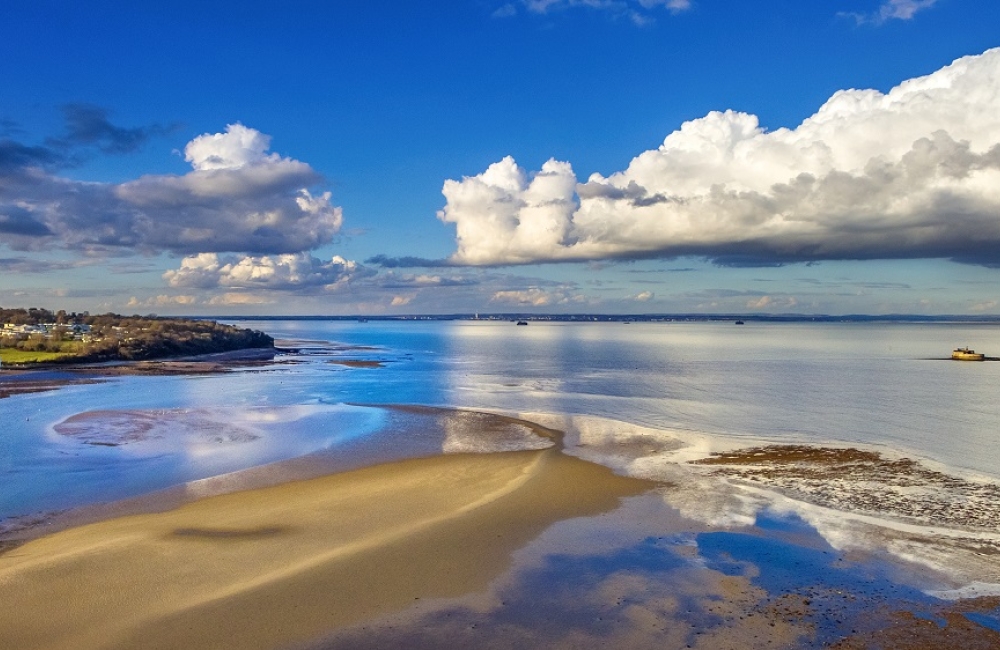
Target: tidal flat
295,504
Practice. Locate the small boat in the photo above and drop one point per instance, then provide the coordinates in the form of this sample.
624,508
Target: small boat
966,354
739,322
522,322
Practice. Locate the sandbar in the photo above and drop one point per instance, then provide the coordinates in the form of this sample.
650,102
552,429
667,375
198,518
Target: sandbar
357,363
289,563
531,548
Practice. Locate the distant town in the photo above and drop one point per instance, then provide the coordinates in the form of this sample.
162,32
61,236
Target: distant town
33,336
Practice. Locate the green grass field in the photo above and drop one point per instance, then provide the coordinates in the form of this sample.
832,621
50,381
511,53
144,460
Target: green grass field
13,355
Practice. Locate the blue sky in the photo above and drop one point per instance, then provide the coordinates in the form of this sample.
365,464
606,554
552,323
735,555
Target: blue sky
618,156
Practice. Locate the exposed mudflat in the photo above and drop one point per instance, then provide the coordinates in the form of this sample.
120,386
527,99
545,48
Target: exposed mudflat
854,480
863,500
357,363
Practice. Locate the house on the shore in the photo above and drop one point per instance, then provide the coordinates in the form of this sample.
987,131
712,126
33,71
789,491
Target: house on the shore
21,332
61,331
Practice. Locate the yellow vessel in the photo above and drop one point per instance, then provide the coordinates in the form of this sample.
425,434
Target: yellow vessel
965,354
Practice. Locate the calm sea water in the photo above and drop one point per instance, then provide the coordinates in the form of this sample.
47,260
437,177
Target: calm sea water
882,384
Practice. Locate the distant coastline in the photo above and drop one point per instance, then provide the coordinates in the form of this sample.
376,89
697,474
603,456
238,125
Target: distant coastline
39,338
651,318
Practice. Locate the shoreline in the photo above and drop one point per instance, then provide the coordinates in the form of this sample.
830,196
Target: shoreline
412,432
38,378
847,482
23,379
451,533
270,551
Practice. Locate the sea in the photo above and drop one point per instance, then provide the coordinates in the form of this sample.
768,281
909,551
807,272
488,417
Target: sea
885,386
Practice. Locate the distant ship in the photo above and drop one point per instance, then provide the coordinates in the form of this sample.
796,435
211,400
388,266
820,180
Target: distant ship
522,322
739,322
965,354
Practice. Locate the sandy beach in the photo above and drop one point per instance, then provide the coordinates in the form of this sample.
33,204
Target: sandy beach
533,548
263,568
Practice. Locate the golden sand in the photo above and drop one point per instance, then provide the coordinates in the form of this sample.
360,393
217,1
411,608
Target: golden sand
285,564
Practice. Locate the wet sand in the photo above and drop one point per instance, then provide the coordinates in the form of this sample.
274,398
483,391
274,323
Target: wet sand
642,579
28,386
268,567
47,377
22,380
357,363
527,549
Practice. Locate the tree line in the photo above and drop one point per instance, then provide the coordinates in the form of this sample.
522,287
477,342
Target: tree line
113,336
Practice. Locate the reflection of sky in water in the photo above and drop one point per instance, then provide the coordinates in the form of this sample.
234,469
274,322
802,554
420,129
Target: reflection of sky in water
785,382
641,577
870,384
105,459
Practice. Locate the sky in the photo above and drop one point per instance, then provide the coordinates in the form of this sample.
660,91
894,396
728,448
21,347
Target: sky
500,156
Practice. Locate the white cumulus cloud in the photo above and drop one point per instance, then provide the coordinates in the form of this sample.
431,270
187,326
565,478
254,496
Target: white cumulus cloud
984,306
238,147
537,297
232,298
162,301
533,215
769,302
236,198
914,172
274,272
